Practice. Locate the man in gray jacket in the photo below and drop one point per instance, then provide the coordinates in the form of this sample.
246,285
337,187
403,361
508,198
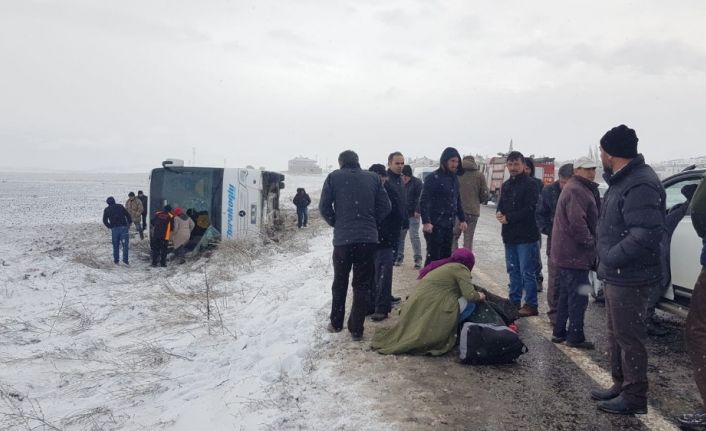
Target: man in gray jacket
474,191
353,202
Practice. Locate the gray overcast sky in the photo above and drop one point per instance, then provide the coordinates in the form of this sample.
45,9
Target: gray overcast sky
122,85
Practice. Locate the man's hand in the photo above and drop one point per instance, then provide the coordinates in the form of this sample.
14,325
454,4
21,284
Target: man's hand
463,226
427,227
501,217
482,296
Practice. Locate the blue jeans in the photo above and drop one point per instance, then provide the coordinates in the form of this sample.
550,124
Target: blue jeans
119,235
573,301
302,216
414,223
521,262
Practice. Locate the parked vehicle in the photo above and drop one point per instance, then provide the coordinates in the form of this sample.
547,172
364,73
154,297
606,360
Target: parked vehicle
685,247
237,203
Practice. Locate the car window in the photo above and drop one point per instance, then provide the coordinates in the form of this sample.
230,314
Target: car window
674,191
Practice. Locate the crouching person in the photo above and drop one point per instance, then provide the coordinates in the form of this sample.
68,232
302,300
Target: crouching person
429,318
574,251
183,225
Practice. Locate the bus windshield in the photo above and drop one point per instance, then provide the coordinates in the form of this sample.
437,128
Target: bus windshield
197,191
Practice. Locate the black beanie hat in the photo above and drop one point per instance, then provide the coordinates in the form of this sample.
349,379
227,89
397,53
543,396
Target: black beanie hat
620,141
110,201
407,171
167,208
378,169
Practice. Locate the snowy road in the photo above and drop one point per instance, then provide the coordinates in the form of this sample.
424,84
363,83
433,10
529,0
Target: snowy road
88,345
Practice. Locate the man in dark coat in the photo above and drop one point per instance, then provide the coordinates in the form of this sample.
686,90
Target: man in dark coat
388,238
630,229
545,222
440,205
574,244
696,319
162,226
515,211
530,170
117,219
395,164
143,198
413,191
302,201
354,203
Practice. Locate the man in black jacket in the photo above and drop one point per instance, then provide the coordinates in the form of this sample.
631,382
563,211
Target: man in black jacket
515,211
413,191
630,229
440,205
143,198
395,165
162,227
353,202
389,237
117,219
546,208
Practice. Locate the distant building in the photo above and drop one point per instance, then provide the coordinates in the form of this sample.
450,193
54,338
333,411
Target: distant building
302,165
422,162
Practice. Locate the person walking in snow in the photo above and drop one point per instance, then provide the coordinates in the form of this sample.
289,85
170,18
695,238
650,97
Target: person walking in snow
162,226
135,208
183,225
353,202
440,205
388,238
302,201
474,191
413,191
143,198
574,244
630,229
515,211
117,219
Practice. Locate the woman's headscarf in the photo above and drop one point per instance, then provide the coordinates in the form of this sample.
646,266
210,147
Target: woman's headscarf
460,255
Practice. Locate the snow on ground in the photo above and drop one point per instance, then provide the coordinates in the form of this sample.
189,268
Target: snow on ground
86,344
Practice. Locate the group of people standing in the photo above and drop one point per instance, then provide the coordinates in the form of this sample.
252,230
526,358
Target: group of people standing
620,236
168,226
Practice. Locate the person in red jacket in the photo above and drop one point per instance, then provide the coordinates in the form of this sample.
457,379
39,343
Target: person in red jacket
162,224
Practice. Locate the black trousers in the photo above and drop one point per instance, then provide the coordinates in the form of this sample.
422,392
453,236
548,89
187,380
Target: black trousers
626,307
361,258
696,333
159,251
144,221
573,300
438,243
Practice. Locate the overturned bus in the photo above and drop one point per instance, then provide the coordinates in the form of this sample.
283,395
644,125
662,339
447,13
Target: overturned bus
227,203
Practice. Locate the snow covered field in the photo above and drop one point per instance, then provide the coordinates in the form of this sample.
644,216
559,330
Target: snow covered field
85,344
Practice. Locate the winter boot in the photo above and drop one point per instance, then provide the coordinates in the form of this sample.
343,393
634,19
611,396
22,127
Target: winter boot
620,406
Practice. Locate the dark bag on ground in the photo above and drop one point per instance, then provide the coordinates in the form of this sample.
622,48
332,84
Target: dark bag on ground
503,306
484,344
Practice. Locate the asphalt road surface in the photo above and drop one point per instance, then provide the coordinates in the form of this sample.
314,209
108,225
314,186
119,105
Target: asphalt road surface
548,389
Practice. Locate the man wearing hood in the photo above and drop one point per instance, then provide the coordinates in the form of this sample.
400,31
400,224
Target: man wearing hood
354,203
516,208
162,227
474,191
117,219
630,230
440,205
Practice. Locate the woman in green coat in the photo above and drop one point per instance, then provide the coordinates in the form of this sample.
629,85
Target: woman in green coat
429,318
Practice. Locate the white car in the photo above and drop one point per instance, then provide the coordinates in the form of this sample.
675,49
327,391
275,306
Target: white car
685,248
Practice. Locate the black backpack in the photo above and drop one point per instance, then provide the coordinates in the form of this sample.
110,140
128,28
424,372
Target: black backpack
484,344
